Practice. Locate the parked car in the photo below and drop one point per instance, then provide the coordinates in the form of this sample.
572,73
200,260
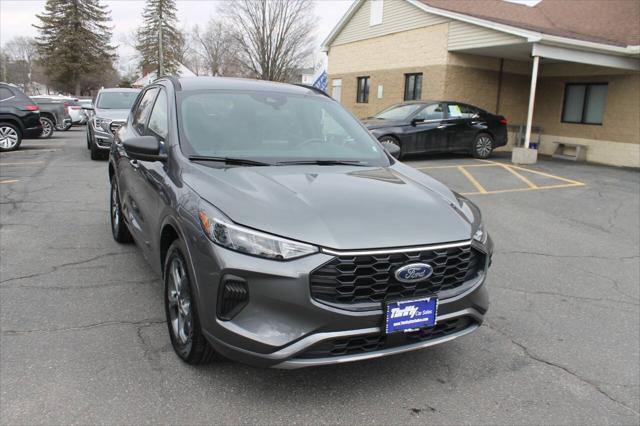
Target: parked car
74,109
19,117
87,107
286,234
110,112
53,115
439,126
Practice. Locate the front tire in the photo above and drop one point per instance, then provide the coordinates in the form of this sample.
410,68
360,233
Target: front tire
396,142
64,128
47,127
181,310
119,229
482,146
10,137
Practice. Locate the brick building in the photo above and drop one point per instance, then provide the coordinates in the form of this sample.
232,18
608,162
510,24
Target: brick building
583,56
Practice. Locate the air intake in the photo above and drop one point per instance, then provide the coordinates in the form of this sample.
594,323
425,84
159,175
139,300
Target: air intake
233,295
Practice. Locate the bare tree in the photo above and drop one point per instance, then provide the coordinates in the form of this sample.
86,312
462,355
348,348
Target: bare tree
274,37
216,45
22,52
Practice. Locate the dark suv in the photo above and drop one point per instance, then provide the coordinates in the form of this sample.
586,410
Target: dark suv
19,117
286,234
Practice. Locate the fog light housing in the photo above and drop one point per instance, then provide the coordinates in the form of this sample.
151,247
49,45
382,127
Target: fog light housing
233,296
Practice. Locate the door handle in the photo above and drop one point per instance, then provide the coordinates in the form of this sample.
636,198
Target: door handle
442,126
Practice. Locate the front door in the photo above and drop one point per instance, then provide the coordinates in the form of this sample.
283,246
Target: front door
430,135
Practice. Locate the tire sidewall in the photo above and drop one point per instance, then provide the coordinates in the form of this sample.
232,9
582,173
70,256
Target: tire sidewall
394,141
185,351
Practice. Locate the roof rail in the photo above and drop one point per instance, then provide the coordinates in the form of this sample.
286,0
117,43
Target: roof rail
314,88
173,79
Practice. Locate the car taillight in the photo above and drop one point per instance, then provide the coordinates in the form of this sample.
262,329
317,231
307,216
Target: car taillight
33,108
503,121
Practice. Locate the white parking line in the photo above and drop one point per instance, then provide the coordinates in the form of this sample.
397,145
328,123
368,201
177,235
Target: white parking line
22,163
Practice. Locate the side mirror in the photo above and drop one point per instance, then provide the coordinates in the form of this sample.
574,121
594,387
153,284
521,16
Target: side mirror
417,121
392,149
144,148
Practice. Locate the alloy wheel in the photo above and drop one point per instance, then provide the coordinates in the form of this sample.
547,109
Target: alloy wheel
179,300
47,128
484,146
8,137
115,208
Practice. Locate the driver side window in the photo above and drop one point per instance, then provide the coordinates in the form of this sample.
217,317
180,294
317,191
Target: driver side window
431,112
142,111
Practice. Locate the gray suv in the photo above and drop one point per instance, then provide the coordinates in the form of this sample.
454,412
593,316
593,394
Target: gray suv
110,111
286,235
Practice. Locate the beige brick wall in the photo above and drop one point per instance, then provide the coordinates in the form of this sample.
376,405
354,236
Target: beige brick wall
415,48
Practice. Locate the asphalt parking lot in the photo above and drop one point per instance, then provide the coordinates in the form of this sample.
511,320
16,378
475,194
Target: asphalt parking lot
83,338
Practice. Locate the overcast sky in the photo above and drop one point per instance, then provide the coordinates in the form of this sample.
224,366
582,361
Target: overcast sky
17,17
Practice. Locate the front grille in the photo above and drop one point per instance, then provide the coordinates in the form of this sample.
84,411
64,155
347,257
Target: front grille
115,125
368,280
375,342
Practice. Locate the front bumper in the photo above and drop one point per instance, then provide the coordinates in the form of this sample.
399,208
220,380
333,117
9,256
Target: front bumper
282,323
102,139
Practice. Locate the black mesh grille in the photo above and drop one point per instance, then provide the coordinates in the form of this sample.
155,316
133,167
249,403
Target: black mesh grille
366,279
375,342
232,297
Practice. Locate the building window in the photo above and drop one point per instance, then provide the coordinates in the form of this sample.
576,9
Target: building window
375,13
412,87
584,103
363,90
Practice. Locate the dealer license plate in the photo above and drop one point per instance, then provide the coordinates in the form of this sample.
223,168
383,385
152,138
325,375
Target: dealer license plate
408,315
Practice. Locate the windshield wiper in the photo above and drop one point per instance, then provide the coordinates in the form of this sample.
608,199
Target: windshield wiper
229,160
323,162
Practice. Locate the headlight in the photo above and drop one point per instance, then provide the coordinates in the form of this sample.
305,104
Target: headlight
480,235
101,124
244,240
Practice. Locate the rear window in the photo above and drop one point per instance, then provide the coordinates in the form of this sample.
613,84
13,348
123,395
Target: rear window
116,100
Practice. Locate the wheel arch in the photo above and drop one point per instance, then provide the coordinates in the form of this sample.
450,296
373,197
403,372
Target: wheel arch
12,120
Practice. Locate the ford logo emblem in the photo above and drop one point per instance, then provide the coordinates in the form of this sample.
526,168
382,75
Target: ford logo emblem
414,272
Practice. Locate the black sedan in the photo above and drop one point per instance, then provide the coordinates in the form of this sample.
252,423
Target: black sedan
439,126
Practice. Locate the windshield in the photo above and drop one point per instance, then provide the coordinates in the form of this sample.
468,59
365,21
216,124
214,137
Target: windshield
272,128
116,100
398,112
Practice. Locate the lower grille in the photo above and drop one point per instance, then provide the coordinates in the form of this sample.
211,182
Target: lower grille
368,279
375,342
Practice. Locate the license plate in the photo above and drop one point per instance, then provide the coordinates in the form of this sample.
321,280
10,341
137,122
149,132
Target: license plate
408,315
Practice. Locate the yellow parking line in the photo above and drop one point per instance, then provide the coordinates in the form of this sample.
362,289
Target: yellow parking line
519,176
455,166
500,191
548,175
21,164
9,181
473,180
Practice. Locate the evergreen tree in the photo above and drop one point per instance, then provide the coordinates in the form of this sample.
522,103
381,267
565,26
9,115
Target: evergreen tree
74,41
160,18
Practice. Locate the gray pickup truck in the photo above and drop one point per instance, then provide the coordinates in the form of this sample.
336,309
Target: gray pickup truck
53,115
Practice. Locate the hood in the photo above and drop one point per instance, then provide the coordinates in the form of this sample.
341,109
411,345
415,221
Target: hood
374,123
113,114
340,207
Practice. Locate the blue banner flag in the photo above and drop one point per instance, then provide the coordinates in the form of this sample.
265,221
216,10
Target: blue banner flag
321,81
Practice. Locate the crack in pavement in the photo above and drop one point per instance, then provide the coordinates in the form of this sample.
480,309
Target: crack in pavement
114,283
568,296
145,322
541,360
533,253
65,265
